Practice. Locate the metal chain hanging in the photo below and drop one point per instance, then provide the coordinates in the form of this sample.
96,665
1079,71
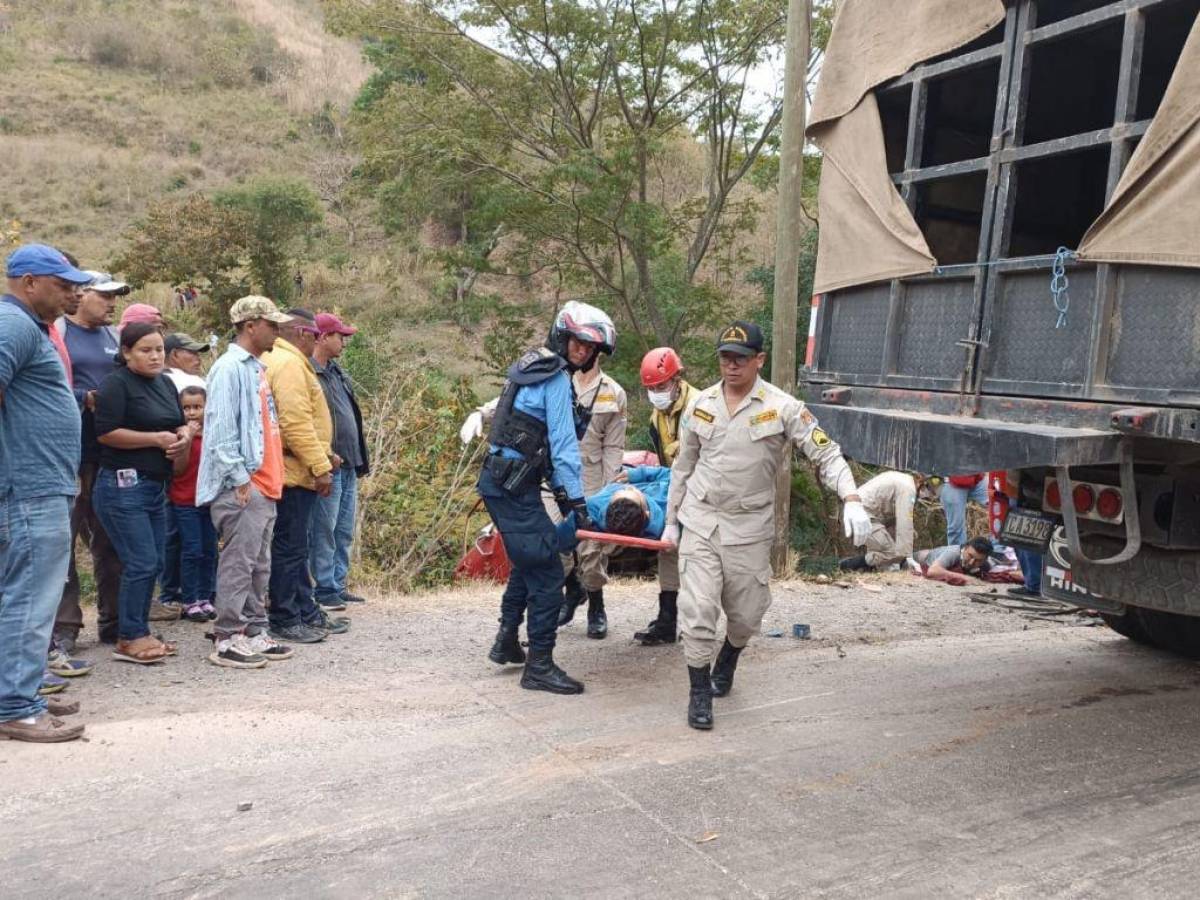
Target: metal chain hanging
1059,284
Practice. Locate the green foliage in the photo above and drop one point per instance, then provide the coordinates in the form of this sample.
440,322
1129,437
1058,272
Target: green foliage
190,240
511,335
764,278
281,213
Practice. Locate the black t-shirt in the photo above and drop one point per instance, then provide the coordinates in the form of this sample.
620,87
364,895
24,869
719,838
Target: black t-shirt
128,400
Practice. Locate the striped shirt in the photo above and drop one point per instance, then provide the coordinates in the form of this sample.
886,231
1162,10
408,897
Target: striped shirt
233,425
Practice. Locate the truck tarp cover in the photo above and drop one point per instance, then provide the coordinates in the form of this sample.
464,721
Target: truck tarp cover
868,233
1154,214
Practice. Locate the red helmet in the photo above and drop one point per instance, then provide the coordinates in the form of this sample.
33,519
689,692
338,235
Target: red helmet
659,366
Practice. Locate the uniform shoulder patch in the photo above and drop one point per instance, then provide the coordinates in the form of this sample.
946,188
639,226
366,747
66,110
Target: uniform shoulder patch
820,438
769,416
704,415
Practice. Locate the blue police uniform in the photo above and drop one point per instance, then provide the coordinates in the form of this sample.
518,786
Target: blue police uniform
515,503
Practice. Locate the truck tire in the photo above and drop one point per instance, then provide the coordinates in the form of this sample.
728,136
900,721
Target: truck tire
1170,632
1128,625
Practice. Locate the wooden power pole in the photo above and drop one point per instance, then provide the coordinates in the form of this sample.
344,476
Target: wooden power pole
787,249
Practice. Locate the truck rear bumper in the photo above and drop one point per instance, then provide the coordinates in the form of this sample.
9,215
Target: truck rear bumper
947,444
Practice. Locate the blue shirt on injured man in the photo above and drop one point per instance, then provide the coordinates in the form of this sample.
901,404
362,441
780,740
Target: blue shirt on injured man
652,482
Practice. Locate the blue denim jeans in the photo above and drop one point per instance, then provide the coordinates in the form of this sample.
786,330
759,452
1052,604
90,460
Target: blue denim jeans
135,519
35,546
170,588
1031,568
290,585
954,503
197,552
331,535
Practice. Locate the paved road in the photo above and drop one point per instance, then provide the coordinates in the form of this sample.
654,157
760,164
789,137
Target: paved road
921,746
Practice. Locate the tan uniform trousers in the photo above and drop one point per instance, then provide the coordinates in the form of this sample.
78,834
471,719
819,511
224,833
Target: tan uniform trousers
881,548
593,556
715,579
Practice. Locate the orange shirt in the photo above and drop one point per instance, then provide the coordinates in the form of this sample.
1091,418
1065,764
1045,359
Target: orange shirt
269,477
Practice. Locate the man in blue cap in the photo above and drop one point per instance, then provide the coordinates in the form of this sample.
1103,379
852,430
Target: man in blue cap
39,457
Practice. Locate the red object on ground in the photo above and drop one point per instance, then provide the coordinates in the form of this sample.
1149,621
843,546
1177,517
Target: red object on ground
486,560
623,540
640,458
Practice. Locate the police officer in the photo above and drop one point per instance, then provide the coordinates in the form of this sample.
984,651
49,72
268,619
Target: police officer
534,437
721,508
670,395
889,499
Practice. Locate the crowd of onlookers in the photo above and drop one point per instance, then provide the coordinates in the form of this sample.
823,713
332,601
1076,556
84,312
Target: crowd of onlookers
115,435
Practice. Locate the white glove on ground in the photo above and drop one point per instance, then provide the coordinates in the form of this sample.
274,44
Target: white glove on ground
856,521
471,428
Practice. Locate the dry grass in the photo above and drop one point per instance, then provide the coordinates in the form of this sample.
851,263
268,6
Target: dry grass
329,68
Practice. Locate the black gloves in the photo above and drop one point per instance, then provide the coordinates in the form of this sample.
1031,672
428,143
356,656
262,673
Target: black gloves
560,497
583,522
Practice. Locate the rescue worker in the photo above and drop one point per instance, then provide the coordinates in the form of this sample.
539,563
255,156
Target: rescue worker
602,449
670,395
721,510
889,500
534,437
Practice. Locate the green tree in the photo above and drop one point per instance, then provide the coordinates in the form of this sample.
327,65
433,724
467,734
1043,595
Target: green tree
559,132
281,213
189,240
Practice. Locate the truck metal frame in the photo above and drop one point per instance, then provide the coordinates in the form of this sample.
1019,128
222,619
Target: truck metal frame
966,369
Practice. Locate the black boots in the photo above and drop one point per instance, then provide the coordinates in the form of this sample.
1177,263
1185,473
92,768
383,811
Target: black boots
855,564
723,669
597,620
573,595
507,648
541,674
663,629
700,714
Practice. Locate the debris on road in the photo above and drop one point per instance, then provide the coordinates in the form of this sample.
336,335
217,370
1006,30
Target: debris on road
801,632
708,836
245,806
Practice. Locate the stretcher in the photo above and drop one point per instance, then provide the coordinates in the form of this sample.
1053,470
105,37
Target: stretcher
623,540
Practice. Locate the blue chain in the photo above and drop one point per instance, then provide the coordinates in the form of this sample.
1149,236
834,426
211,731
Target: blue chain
1059,284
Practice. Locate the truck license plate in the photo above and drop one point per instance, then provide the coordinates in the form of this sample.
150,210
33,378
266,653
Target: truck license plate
1027,530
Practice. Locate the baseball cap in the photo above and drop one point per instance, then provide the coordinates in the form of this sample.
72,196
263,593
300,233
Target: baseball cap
104,283
741,337
328,323
39,259
140,312
180,341
303,320
254,307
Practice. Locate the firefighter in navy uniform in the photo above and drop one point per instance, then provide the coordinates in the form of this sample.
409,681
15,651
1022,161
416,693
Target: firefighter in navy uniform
534,438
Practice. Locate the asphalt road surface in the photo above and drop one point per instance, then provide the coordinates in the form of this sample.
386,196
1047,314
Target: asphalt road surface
920,745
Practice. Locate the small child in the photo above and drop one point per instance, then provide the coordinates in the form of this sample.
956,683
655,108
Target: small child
197,537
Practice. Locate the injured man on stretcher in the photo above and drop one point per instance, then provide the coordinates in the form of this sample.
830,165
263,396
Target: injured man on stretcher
635,505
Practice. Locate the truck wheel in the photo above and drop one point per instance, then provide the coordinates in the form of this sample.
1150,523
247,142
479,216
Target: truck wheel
1170,631
1127,625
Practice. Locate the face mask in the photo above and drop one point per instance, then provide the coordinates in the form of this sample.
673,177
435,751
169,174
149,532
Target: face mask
661,400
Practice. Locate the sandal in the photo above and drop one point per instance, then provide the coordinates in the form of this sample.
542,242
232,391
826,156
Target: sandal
57,706
144,651
170,648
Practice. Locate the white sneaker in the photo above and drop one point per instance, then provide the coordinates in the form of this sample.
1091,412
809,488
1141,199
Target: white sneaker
266,646
236,653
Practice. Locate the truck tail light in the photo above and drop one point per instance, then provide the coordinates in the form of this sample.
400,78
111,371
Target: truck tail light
1084,499
1053,497
1109,503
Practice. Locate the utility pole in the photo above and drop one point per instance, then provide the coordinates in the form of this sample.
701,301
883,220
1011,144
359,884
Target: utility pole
787,250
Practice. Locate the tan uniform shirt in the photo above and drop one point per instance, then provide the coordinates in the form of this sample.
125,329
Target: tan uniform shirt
724,475
603,444
888,499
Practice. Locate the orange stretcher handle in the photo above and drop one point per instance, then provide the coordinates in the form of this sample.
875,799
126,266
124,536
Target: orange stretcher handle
623,540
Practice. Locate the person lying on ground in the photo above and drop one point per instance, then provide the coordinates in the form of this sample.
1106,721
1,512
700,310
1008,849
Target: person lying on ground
954,562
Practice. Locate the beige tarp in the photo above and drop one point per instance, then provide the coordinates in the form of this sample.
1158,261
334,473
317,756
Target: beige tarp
1154,214
867,232
874,41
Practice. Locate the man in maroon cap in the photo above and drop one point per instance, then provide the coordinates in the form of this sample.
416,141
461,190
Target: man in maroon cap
333,519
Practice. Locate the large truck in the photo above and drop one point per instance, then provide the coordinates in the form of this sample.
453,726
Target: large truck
1043,318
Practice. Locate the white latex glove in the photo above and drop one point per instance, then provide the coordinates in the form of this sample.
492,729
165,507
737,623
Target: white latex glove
472,427
856,521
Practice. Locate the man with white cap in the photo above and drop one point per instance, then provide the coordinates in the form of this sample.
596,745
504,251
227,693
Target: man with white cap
91,342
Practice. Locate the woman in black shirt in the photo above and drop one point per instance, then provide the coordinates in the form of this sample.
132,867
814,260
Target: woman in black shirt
142,435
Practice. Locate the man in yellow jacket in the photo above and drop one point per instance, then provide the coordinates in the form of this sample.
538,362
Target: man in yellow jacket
306,430
670,395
